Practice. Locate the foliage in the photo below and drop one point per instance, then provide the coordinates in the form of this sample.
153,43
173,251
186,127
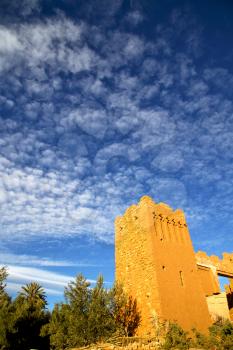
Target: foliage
126,314
89,315
160,326
27,322
77,295
58,327
34,296
29,316
128,317
176,338
5,324
5,310
200,340
22,319
3,277
221,335
101,324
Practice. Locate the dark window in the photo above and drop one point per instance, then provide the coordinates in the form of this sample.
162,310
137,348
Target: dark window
181,278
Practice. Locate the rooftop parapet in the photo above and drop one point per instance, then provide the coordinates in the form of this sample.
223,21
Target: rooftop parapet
157,209
223,266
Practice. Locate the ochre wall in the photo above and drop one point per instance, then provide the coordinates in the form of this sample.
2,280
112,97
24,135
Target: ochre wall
155,261
209,280
135,264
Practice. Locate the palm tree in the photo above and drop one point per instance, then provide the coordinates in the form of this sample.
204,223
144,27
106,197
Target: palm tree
34,294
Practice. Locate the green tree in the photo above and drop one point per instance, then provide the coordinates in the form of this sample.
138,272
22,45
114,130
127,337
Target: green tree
34,295
68,326
5,311
29,316
58,327
3,277
100,321
77,295
91,315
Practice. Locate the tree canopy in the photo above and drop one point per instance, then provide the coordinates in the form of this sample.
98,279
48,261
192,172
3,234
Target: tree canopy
88,315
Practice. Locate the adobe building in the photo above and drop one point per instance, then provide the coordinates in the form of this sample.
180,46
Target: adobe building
157,265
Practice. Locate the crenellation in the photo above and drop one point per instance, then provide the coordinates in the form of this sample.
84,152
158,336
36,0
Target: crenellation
223,266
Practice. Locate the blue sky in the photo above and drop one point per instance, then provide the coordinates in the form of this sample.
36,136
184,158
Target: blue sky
102,102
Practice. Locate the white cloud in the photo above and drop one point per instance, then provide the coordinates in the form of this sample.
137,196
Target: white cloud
9,42
46,43
30,274
3,195
114,150
156,128
53,283
92,123
168,190
169,159
134,47
135,17
10,46
32,260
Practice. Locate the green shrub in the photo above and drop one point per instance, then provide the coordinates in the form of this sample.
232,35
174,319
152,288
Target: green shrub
221,335
176,338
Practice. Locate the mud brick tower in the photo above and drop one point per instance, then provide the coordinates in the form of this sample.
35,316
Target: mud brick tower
156,263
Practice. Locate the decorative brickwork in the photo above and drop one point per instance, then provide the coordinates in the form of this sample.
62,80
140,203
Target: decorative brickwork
156,263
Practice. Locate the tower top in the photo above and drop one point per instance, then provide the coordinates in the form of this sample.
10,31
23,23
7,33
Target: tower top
146,203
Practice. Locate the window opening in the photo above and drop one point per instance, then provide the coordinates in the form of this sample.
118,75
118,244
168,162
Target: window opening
181,278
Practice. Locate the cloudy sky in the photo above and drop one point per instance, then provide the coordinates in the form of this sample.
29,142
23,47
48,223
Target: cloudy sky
101,102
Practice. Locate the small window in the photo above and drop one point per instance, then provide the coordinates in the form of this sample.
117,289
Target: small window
181,278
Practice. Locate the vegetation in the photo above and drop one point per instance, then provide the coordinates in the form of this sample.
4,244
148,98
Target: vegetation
88,315
176,338
3,276
22,319
220,337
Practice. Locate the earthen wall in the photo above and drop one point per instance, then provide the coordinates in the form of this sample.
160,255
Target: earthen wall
209,280
156,263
